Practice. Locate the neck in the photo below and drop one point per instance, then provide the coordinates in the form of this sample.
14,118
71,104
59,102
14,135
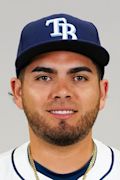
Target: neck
70,158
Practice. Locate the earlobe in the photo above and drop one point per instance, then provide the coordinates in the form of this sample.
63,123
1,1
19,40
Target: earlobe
17,92
103,93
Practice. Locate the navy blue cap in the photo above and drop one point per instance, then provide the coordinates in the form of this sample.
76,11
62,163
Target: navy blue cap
60,32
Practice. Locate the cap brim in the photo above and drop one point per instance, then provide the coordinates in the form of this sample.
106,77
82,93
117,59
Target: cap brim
97,53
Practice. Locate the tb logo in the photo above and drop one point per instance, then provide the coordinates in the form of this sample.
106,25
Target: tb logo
62,28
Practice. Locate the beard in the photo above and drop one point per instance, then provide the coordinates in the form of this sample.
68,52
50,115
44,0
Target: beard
63,134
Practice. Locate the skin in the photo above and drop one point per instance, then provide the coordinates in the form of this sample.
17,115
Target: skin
73,84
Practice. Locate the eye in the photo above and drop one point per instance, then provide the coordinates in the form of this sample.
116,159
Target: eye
80,78
43,78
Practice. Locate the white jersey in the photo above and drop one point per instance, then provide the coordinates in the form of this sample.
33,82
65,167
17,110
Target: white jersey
14,165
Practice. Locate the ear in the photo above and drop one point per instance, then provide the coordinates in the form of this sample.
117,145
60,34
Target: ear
16,87
103,93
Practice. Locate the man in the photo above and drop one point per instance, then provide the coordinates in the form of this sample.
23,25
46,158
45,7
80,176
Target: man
60,86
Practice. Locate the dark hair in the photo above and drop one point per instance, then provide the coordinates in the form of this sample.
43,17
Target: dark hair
100,71
21,74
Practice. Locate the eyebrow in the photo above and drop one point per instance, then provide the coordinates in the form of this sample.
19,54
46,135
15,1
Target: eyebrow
70,71
44,69
79,69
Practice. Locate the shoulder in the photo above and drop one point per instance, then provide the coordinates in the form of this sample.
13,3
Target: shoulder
8,155
5,164
5,156
7,161
109,157
104,148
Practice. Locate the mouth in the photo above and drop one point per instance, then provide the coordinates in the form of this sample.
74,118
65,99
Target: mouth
62,113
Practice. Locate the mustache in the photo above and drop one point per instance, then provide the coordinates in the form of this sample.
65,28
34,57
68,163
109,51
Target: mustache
62,103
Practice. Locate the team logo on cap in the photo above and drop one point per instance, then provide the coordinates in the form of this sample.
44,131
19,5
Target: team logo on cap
62,28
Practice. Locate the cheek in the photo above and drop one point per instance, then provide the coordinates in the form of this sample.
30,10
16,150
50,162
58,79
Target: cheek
90,97
34,97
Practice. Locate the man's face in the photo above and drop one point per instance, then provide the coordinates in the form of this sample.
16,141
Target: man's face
61,95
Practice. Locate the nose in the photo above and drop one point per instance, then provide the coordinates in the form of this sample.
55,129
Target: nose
62,90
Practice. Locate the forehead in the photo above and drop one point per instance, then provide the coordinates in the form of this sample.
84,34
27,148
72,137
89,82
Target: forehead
61,59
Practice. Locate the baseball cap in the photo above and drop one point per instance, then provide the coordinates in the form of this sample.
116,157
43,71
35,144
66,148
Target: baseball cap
60,32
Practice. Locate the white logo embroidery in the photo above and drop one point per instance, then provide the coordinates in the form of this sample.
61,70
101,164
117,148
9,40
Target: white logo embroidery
62,28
